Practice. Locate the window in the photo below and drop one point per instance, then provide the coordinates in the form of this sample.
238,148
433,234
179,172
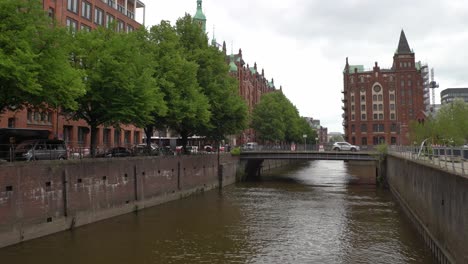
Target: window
374,97
380,97
393,127
72,24
380,107
402,83
364,141
352,98
130,28
363,98
353,128
392,116
72,5
86,10
393,140
374,106
392,97
136,138
120,26
361,78
82,131
380,116
364,128
11,122
363,116
106,137
116,137
352,117
30,116
376,117
409,83
110,19
352,108
99,16
363,108
378,127
127,137
51,12
85,28
392,107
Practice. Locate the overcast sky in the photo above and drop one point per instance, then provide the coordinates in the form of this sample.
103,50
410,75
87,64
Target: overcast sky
303,44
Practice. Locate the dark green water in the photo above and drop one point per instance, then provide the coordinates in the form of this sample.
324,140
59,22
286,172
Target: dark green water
312,213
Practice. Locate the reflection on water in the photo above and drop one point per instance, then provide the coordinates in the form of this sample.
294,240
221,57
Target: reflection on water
309,214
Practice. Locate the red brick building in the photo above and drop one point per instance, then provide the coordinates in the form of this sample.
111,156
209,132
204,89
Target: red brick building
252,85
81,15
379,104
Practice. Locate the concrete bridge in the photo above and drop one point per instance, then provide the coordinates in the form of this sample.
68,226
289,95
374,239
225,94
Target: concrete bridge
254,159
308,155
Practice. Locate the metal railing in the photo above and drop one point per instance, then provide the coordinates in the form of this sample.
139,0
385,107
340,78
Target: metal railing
452,159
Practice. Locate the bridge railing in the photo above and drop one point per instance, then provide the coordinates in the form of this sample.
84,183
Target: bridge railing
454,159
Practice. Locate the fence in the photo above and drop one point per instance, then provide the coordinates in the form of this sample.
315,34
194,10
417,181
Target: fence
453,159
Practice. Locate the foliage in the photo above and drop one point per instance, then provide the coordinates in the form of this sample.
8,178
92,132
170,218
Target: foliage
382,149
448,127
34,61
228,110
275,119
120,88
236,151
336,138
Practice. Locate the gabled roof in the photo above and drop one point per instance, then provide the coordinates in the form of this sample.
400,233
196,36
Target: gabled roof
403,46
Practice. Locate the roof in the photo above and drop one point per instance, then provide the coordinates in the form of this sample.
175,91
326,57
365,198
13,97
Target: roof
360,68
199,15
403,46
232,65
253,70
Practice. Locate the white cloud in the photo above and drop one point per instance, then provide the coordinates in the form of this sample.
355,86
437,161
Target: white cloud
303,44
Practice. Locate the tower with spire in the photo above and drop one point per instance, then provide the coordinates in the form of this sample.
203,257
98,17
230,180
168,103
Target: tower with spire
380,103
199,17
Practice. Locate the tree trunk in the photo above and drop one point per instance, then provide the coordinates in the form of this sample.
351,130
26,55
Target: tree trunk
184,136
93,139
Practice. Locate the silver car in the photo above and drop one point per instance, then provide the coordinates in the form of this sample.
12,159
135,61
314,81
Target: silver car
41,149
345,146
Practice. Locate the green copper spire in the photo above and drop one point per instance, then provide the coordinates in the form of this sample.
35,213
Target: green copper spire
232,64
199,17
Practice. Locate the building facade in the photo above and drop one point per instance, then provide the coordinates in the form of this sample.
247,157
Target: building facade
379,104
81,15
449,94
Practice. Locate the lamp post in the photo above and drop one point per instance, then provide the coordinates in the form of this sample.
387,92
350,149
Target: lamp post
305,143
316,142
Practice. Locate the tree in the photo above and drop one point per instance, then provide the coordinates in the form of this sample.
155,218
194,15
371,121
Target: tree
120,88
228,110
188,107
34,59
275,119
267,118
448,126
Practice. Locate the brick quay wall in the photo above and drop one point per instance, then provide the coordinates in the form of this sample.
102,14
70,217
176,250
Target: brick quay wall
45,197
437,203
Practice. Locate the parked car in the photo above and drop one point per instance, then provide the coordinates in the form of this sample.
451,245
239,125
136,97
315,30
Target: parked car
143,150
41,149
116,152
208,148
345,146
250,146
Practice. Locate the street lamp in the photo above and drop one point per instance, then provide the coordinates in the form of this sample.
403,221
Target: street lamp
305,138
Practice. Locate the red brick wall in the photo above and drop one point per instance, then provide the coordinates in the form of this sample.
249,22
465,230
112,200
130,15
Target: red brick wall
33,195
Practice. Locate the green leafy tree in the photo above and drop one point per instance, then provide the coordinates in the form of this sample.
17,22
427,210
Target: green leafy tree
120,88
448,126
228,110
34,59
267,118
188,108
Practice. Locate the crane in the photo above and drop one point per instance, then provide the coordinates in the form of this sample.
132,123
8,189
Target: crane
433,85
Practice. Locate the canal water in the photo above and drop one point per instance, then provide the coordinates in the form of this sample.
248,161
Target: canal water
316,212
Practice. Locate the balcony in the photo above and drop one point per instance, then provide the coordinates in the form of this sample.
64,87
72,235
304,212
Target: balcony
344,108
344,91
344,100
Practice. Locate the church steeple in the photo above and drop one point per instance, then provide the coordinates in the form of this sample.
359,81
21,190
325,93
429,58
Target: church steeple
199,17
403,46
